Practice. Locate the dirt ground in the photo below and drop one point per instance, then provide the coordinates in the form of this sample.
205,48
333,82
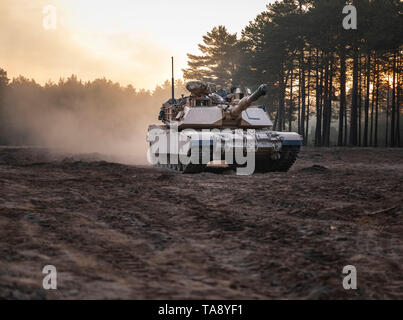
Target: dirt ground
116,231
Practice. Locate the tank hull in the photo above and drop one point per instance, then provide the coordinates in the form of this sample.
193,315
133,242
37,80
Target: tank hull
191,150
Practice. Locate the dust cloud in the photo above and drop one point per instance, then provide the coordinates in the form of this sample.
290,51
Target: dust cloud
75,117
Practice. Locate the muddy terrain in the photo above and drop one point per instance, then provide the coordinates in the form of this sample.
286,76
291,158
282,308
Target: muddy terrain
117,231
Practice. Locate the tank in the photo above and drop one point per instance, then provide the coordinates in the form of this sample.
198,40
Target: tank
210,126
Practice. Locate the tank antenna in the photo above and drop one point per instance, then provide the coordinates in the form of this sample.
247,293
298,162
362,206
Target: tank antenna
173,82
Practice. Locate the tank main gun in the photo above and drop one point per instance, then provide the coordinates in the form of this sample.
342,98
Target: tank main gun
246,102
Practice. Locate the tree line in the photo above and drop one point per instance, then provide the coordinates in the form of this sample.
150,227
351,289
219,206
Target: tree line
97,115
331,85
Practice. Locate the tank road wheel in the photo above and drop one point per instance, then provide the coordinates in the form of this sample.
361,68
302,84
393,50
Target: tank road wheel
180,167
194,168
263,164
176,167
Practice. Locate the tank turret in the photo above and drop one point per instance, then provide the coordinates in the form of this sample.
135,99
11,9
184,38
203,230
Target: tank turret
206,108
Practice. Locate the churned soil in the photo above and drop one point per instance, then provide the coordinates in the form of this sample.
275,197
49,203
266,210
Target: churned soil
116,231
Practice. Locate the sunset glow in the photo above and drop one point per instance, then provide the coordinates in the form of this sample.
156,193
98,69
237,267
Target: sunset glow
125,41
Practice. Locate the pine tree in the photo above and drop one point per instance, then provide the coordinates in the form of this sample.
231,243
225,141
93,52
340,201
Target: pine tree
218,60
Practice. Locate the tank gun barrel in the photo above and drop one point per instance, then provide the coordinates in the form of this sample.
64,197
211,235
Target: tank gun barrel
246,102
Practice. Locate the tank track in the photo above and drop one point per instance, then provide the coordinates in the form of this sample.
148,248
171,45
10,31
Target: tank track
264,164
181,168
288,156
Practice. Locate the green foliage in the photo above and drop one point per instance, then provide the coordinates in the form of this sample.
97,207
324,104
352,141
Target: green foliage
219,59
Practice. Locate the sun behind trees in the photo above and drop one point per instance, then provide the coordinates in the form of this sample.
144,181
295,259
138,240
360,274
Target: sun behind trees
334,86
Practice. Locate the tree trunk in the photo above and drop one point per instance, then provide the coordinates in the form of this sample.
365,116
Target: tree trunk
318,129
291,110
376,107
393,111
342,96
398,142
325,103
387,115
276,118
281,99
303,97
345,126
283,115
353,117
360,86
329,101
299,101
309,95
366,106
371,133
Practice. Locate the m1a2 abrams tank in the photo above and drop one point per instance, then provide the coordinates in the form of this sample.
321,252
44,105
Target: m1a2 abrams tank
208,115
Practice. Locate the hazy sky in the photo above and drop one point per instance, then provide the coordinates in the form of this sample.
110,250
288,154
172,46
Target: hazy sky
129,41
